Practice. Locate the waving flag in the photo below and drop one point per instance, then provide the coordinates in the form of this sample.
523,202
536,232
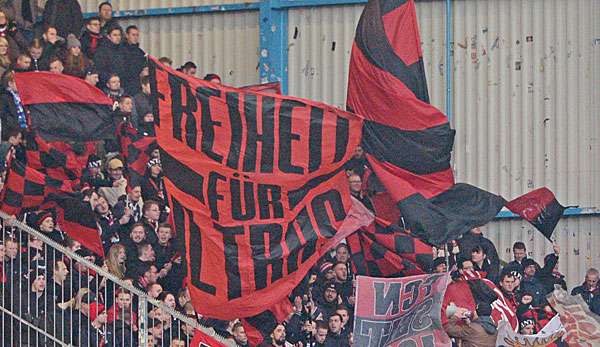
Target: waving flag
59,160
65,108
408,141
540,208
384,250
77,219
26,189
256,187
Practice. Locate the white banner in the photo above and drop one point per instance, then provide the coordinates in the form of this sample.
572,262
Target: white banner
552,332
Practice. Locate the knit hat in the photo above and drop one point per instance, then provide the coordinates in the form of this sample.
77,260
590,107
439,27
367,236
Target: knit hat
437,262
43,215
94,161
526,323
325,267
91,70
527,262
153,162
72,41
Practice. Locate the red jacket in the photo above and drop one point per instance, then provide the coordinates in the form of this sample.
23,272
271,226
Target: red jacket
460,294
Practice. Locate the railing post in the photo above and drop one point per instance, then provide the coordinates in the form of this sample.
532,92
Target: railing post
273,55
143,322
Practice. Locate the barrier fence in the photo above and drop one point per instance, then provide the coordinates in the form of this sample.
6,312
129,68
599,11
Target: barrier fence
51,295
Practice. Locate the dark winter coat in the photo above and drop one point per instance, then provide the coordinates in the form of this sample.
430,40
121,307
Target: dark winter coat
135,58
64,15
89,43
110,58
470,240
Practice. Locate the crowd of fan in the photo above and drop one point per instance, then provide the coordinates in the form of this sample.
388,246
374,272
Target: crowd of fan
78,306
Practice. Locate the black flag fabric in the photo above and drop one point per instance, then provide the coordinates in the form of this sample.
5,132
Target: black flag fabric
540,208
408,142
65,108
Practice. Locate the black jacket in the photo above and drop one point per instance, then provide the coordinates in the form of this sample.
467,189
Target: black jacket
135,58
8,113
470,240
110,58
65,16
89,43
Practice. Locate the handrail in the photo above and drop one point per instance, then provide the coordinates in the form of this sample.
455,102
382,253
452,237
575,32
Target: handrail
13,222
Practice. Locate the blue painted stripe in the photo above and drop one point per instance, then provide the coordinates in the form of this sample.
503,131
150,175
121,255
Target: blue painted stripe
571,211
273,54
306,3
150,12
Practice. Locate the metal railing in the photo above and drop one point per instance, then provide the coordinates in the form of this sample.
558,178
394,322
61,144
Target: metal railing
52,296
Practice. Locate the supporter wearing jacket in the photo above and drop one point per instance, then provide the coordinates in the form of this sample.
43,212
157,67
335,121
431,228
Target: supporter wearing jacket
91,37
109,57
530,282
16,41
461,310
549,275
475,238
590,288
64,15
135,58
153,187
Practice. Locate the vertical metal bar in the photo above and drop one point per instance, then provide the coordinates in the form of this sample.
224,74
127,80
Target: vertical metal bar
142,321
273,58
449,53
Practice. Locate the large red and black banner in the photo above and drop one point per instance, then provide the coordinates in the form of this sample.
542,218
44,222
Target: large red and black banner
256,185
408,142
65,108
400,311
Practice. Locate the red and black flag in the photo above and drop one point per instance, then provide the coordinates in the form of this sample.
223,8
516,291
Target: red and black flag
65,108
26,189
256,185
540,208
59,160
77,219
384,250
136,149
408,142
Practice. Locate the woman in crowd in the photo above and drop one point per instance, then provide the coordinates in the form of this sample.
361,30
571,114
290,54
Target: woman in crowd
76,62
4,56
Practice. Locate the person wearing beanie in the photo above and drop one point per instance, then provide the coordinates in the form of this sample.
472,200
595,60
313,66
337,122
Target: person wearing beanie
530,282
213,78
328,302
439,265
153,187
527,327
92,174
45,221
76,63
